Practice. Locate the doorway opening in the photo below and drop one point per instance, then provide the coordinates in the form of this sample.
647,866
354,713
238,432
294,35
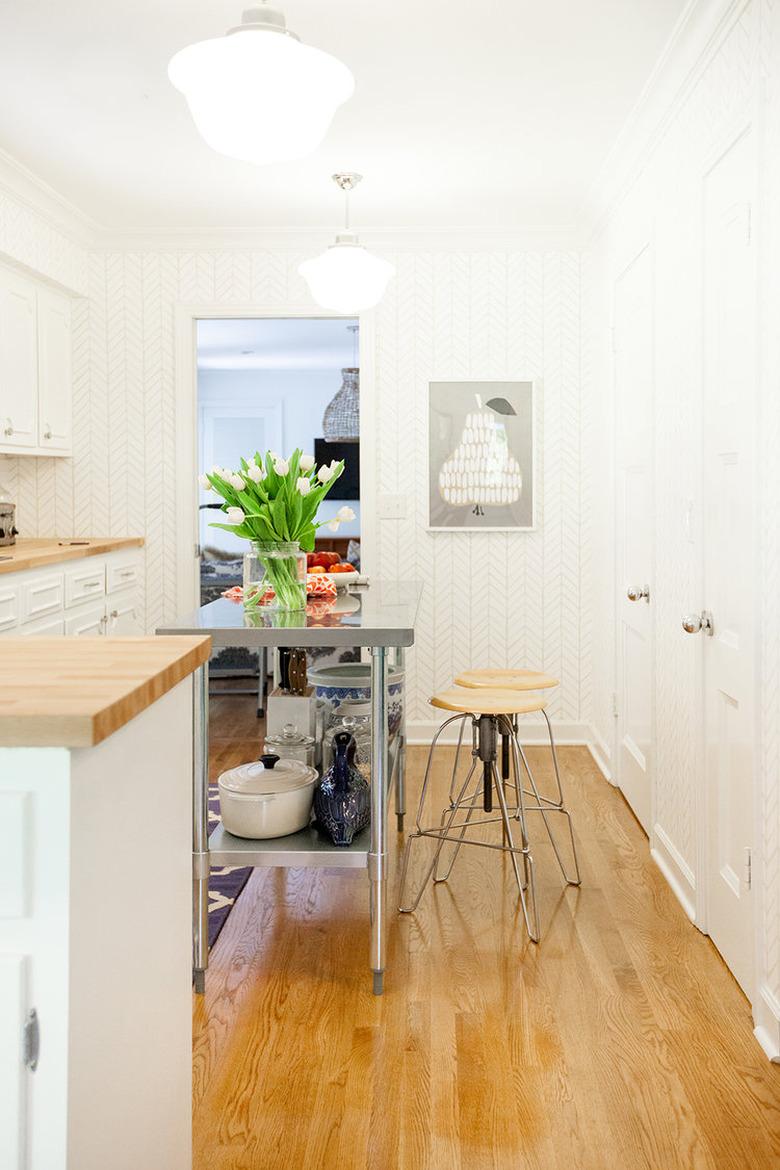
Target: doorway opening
273,383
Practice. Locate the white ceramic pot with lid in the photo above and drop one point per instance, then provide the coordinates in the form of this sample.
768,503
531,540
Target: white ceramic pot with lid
267,798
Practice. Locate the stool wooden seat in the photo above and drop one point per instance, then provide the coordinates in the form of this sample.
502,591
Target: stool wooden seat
512,680
486,701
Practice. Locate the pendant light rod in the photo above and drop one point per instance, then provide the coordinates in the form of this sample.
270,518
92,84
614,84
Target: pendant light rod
346,181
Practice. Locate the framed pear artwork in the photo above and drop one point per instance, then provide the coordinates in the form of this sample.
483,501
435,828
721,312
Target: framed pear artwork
481,465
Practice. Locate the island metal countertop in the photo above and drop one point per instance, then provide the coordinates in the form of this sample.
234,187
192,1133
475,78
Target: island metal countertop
380,614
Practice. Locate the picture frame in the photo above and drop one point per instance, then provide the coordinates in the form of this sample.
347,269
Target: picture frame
482,474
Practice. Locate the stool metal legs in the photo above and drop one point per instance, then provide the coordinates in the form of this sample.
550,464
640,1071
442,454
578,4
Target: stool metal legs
484,753
544,804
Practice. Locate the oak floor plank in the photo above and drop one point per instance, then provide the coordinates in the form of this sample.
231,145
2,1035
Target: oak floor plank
621,1041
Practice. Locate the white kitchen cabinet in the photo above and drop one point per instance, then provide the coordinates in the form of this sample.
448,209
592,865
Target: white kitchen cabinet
47,626
36,382
18,364
123,616
92,596
87,619
55,381
41,594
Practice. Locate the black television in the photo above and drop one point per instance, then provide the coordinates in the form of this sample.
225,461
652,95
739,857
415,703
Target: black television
348,486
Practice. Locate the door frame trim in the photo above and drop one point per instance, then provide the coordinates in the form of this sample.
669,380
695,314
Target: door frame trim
642,240
186,408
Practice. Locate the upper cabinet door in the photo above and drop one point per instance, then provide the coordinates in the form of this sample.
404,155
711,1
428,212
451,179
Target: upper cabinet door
54,371
18,362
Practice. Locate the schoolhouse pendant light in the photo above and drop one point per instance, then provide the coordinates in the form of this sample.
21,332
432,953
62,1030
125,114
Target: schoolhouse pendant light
257,93
347,278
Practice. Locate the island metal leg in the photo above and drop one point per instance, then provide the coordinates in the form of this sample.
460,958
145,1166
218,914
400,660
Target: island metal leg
377,856
200,827
400,774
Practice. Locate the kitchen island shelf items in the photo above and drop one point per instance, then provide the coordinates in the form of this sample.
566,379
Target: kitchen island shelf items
91,730
384,620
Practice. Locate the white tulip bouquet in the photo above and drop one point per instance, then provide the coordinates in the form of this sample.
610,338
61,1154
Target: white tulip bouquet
273,502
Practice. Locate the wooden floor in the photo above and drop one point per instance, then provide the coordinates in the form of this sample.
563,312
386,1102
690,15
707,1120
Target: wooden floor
620,1043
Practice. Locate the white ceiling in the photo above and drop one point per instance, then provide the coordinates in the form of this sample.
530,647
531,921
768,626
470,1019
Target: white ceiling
464,113
306,343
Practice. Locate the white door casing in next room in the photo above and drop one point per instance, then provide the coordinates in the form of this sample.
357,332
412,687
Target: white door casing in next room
634,376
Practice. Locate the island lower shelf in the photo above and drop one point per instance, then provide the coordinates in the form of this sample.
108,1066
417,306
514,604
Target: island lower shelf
307,849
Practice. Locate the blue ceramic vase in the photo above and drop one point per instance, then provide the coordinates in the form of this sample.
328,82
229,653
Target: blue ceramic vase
342,799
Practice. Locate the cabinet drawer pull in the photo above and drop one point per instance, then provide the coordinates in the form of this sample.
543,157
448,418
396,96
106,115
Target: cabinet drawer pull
47,431
9,427
91,584
127,573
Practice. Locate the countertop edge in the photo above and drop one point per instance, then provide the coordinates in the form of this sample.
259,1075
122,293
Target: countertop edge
70,730
98,546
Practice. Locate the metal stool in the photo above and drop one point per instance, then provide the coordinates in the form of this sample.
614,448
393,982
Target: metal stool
491,714
524,681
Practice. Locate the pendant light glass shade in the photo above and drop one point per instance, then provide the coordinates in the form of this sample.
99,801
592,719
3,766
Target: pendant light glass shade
346,277
257,93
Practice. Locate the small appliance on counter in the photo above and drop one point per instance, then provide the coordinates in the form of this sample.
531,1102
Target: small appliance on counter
267,798
290,744
8,530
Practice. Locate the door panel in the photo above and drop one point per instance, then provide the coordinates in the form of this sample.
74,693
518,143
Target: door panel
633,364
729,558
18,362
54,371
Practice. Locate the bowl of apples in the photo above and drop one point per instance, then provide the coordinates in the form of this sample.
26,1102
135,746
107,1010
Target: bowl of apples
341,573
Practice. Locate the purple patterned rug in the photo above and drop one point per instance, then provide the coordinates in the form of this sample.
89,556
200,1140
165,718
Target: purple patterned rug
225,882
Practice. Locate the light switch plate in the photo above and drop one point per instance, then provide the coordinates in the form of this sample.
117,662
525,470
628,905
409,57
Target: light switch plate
393,507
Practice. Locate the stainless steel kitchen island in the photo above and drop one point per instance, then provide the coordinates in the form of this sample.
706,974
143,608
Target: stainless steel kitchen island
383,620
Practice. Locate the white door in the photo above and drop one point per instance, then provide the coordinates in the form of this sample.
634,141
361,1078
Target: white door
54,371
729,410
633,366
18,362
224,432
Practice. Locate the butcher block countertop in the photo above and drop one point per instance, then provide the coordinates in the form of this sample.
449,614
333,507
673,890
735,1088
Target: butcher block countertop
75,692
34,553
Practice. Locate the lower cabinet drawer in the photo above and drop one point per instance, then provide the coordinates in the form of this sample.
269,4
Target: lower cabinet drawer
41,596
87,619
85,581
123,572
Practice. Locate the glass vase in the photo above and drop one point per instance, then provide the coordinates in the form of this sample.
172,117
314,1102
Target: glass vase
275,577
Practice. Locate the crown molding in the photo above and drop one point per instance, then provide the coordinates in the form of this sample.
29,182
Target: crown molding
694,41
561,237
34,193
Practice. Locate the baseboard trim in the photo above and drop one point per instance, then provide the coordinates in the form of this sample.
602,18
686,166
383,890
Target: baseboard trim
766,1014
601,754
532,732
675,869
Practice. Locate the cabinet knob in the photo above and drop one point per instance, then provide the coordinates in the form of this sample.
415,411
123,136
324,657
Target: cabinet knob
114,614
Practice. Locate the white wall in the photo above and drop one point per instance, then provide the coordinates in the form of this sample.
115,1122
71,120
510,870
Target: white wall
301,396
729,83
